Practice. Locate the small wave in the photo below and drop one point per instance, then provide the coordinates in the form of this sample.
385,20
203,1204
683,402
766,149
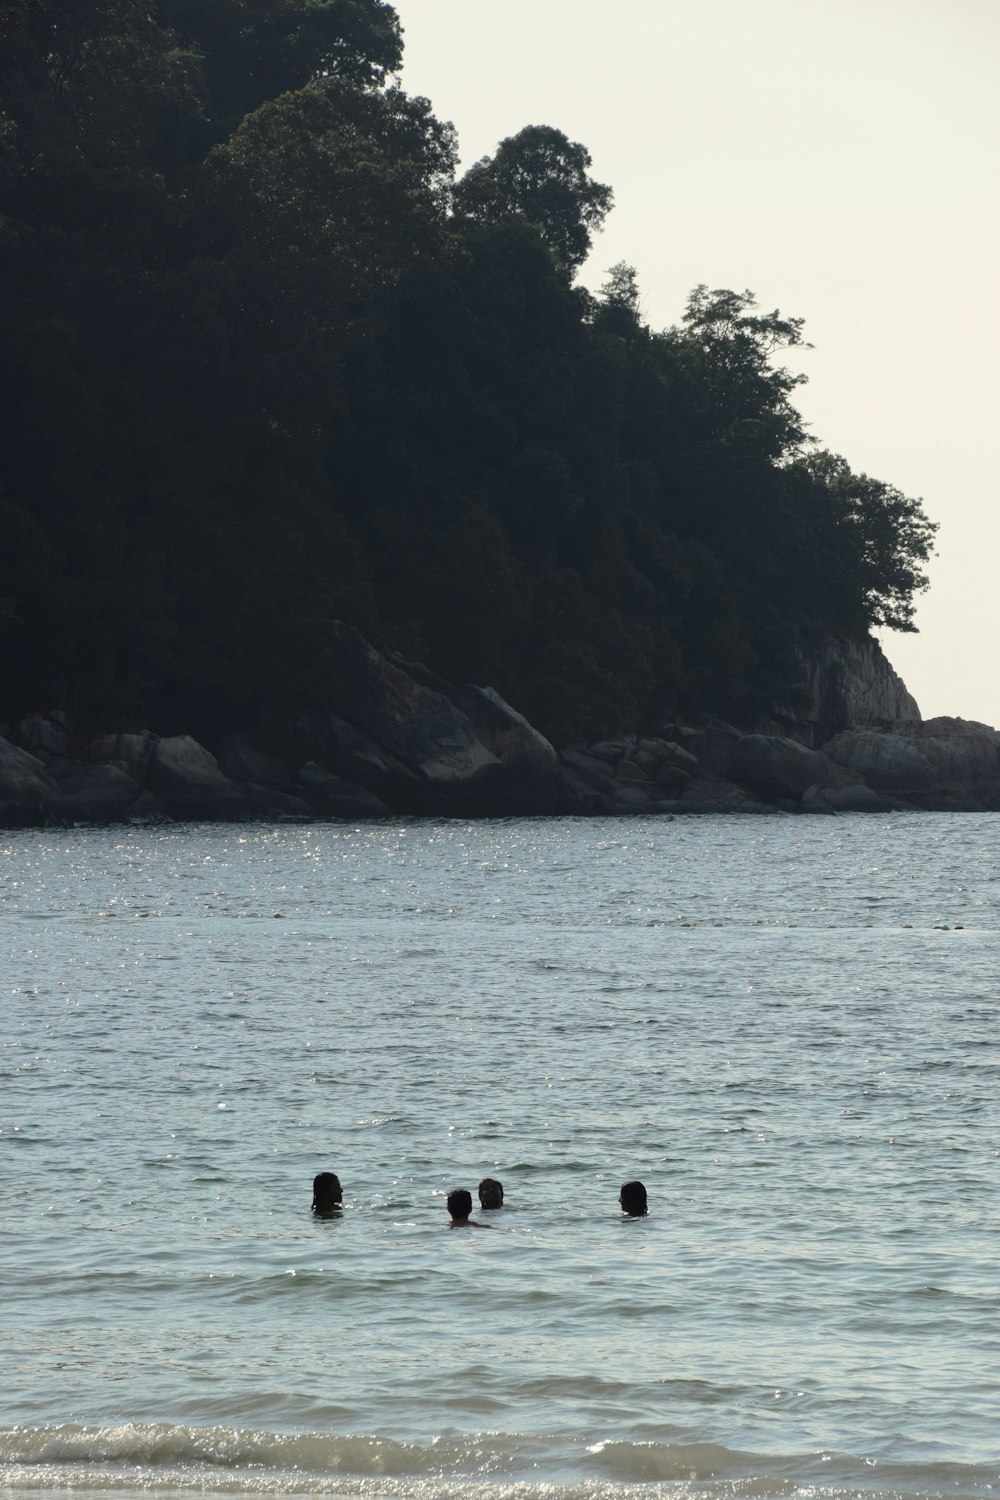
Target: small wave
168,1459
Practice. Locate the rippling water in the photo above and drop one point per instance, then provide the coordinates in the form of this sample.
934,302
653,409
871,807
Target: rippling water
786,1027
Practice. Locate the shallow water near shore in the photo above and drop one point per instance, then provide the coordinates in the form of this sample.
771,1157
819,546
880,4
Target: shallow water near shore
786,1027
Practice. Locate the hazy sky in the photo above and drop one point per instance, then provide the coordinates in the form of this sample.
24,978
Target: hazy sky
838,157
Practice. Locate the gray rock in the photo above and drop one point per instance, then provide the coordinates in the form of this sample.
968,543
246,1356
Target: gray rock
627,770
776,766
845,684
716,794
42,735
521,751
595,773
414,722
627,799
942,763
683,758
582,796
888,762
963,752
97,794
648,760
273,802
28,795
331,741
611,750
133,753
186,779
147,810
714,748
337,798
674,777
240,760
843,799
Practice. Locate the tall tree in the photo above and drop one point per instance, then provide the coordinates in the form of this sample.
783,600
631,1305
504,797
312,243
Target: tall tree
741,396
887,538
541,176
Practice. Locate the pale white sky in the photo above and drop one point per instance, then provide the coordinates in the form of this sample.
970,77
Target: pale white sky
840,158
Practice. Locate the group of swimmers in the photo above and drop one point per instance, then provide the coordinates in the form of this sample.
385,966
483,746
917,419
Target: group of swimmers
328,1198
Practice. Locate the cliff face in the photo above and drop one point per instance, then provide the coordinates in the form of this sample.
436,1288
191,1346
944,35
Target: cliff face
843,684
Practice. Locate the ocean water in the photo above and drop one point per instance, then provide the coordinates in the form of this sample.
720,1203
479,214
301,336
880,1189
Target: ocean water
787,1028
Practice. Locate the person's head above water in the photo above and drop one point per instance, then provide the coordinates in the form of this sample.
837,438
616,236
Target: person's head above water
459,1205
633,1199
327,1193
491,1193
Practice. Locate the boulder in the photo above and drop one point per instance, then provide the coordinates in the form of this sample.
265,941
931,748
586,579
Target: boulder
611,750
888,762
777,767
133,753
842,799
146,809
240,760
716,794
522,752
186,779
713,748
273,803
646,759
337,798
630,798
655,754
28,794
97,794
332,742
674,777
963,752
42,735
628,770
938,763
595,773
414,722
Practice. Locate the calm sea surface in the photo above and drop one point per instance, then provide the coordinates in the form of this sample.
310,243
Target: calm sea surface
788,1028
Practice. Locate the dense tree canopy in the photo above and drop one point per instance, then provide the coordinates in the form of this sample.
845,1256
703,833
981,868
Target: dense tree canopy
267,365
542,177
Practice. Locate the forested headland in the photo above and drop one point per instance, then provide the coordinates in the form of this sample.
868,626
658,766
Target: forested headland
271,363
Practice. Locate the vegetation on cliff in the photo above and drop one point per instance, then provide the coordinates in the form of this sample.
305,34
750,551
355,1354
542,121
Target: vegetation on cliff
268,365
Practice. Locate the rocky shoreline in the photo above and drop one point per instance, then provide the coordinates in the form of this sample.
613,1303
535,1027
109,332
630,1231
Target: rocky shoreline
402,741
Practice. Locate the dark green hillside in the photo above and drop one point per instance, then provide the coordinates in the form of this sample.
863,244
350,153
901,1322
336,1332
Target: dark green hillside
268,365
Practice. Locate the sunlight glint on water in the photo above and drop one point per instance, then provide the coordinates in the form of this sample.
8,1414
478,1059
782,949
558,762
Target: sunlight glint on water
786,1027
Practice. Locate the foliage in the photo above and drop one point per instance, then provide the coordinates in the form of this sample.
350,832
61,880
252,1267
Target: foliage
267,366
541,176
256,50
886,539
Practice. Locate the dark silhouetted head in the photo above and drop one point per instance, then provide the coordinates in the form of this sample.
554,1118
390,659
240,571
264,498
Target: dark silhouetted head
460,1203
491,1193
327,1193
633,1199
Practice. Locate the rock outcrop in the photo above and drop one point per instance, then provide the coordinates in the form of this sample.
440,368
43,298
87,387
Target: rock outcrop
403,710
28,794
943,764
843,683
186,779
397,739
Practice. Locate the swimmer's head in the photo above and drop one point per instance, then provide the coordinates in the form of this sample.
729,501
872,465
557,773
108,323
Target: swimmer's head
491,1193
460,1203
327,1193
633,1199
